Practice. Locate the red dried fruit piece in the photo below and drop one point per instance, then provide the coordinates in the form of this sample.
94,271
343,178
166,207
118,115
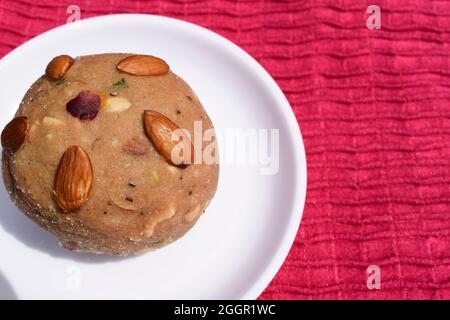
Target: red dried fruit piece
135,147
85,106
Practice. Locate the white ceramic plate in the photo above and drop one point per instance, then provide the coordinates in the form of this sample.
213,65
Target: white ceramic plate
238,245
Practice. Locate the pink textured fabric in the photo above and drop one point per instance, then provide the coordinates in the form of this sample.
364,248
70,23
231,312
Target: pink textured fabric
373,106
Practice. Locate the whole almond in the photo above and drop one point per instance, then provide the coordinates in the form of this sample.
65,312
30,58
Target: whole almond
74,179
58,67
159,130
13,135
143,65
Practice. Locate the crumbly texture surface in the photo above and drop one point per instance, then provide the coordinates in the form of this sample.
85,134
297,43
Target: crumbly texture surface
138,201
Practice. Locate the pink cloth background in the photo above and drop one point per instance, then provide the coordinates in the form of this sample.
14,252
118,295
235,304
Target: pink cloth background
373,107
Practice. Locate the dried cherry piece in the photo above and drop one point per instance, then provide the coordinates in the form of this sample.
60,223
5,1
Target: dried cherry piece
84,106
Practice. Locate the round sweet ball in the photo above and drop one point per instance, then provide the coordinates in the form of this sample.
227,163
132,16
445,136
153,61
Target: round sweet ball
102,154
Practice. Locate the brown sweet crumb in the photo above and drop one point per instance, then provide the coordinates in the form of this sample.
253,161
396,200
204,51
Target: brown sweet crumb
178,112
93,143
135,147
190,192
192,214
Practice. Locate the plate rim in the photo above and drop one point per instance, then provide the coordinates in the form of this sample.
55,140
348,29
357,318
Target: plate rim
296,139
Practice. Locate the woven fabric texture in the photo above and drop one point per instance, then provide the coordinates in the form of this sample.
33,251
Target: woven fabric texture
373,107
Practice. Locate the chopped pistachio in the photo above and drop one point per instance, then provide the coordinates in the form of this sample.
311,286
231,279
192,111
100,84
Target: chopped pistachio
172,169
121,84
60,82
114,142
86,140
49,136
196,172
33,128
51,121
154,178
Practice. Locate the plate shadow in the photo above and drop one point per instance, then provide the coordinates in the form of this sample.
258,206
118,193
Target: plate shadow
30,234
6,291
